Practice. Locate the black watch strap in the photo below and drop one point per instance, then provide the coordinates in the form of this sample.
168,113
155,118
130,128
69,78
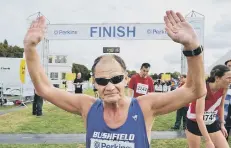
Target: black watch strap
195,52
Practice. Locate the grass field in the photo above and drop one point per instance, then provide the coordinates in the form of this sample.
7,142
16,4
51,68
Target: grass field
174,143
56,120
4,108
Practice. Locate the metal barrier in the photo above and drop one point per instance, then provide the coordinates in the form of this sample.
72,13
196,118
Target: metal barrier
15,93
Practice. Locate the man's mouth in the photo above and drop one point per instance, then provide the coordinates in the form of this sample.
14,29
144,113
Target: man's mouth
110,94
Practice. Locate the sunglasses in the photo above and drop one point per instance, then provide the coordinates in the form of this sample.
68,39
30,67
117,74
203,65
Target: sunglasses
113,80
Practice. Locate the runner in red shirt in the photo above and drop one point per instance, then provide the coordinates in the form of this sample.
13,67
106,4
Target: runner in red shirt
201,116
141,84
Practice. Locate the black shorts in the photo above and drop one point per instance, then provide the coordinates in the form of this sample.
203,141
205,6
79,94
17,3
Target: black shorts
78,92
158,91
193,128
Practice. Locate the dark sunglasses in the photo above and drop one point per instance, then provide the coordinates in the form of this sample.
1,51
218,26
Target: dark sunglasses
113,80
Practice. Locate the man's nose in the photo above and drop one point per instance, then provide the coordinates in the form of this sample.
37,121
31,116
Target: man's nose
110,86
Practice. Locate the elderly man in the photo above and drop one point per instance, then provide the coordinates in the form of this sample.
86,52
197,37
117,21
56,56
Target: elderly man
115,120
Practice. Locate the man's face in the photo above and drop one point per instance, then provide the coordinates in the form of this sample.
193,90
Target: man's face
144,72
229,65
110,69
182,79
79,75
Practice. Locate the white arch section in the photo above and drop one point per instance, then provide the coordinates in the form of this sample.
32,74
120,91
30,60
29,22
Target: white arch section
117,31
221,60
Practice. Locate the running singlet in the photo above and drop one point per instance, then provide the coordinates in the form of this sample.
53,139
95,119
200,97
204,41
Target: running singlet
212,103
132,134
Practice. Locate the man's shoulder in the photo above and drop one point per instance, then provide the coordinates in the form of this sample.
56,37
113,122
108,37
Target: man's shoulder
150,78
134,76
87,104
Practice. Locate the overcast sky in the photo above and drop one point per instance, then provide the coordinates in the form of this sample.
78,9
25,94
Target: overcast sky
163,56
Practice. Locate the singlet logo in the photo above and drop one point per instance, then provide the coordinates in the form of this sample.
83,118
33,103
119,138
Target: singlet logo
112,140
97,143
135,117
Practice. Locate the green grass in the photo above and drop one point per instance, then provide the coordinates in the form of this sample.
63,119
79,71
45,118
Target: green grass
164,122
4,108
89,92
170,143
56,120
177,143
42,146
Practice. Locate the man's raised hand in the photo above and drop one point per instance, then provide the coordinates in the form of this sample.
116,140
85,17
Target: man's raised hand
180,31
35,33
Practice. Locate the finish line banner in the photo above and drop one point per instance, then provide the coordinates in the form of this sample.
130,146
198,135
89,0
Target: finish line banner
134,31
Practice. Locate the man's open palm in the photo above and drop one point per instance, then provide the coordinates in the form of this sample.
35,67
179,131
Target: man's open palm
178,29
36,32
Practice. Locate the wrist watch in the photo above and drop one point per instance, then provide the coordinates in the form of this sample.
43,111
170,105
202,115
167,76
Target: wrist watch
195,52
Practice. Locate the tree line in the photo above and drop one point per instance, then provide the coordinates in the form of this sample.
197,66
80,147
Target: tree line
7,50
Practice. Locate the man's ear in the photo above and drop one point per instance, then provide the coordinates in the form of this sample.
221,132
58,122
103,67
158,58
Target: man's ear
126,77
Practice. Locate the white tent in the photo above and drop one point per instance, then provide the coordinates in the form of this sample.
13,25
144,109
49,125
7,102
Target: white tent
222,61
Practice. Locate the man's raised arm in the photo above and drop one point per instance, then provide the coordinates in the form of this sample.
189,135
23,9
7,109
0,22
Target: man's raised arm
43,87
181,32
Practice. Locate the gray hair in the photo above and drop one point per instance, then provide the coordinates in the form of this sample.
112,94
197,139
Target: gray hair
116,57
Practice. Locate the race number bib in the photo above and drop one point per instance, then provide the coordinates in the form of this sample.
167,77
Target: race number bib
98,143
165,88
142,88
210,117
158,87
78,85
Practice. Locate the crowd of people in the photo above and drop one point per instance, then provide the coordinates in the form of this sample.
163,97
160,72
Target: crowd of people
117,120
208,116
